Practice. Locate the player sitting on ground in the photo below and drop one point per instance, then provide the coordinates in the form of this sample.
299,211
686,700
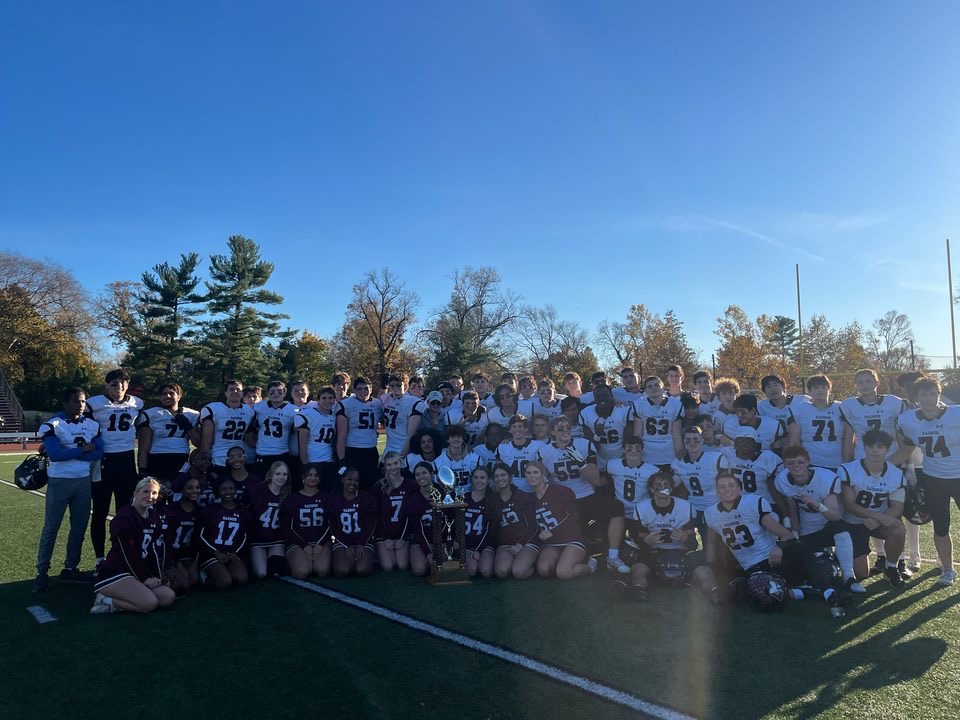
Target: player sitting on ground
664,527
744,526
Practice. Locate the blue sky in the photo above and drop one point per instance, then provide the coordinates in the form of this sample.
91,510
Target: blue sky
681,155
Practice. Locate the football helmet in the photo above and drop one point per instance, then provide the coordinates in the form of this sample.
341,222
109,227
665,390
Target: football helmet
767,592
31,474
915,505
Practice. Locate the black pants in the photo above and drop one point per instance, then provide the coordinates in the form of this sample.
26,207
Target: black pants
118,478
366,461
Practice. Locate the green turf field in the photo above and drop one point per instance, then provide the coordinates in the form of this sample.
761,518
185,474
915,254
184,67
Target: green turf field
274,649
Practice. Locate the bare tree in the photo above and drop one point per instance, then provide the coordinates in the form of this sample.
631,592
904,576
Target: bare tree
378,317
889,340
548,345
466,333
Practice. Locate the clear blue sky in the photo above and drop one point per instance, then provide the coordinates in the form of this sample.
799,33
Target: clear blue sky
683,155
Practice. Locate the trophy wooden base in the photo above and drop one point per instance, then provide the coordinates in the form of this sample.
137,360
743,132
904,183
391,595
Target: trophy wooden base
449,573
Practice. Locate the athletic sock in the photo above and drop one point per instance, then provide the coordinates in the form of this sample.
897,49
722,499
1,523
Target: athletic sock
843,544
796,594
613,553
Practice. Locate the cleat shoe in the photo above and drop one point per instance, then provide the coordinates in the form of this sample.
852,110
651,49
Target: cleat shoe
102,605
879,566
904,571
947,578
75,576
41,582
637,593
835,602
592,564
854,586
619,565
893,577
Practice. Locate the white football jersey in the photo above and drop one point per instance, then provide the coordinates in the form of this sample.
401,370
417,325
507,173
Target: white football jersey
821,432
753,473
321,432
565,463
872,491
395,418
274,427
167,438
607,432
663,521
362,419
938,439
657,421
517,458
822,483
462,468
630,484
117,421
768,432
741,530
879,415
699,477
765,408
473,426
229,426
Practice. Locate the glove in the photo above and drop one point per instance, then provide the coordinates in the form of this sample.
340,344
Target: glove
183,422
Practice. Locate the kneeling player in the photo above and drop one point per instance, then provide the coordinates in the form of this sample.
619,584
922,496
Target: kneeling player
873,496
516,554
182,538
478,526
131,576
303,519
226,526
813,505
630,475
664,526
421,519
563,553
745,526
353,515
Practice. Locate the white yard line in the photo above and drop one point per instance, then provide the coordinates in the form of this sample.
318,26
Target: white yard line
582,683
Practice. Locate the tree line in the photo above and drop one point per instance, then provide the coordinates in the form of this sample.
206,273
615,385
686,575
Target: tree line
202,325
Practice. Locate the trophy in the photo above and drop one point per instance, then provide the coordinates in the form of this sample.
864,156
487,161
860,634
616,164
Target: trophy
449,533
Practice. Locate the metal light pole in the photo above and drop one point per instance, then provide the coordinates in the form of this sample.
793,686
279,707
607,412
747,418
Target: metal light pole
953,327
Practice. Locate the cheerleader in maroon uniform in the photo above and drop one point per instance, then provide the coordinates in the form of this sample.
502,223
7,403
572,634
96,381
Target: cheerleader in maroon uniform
516,530
563,553
226,526
477,525
236,470
130,578
353,518
393,550
303,518
182,538
420,512
266,538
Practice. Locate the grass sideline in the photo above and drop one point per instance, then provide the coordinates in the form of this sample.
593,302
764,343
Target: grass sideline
894,654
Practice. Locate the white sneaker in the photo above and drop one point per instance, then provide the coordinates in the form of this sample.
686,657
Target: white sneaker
592,564
947,577
102,605
619,565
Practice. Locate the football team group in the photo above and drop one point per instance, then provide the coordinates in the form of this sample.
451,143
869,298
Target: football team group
747,500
